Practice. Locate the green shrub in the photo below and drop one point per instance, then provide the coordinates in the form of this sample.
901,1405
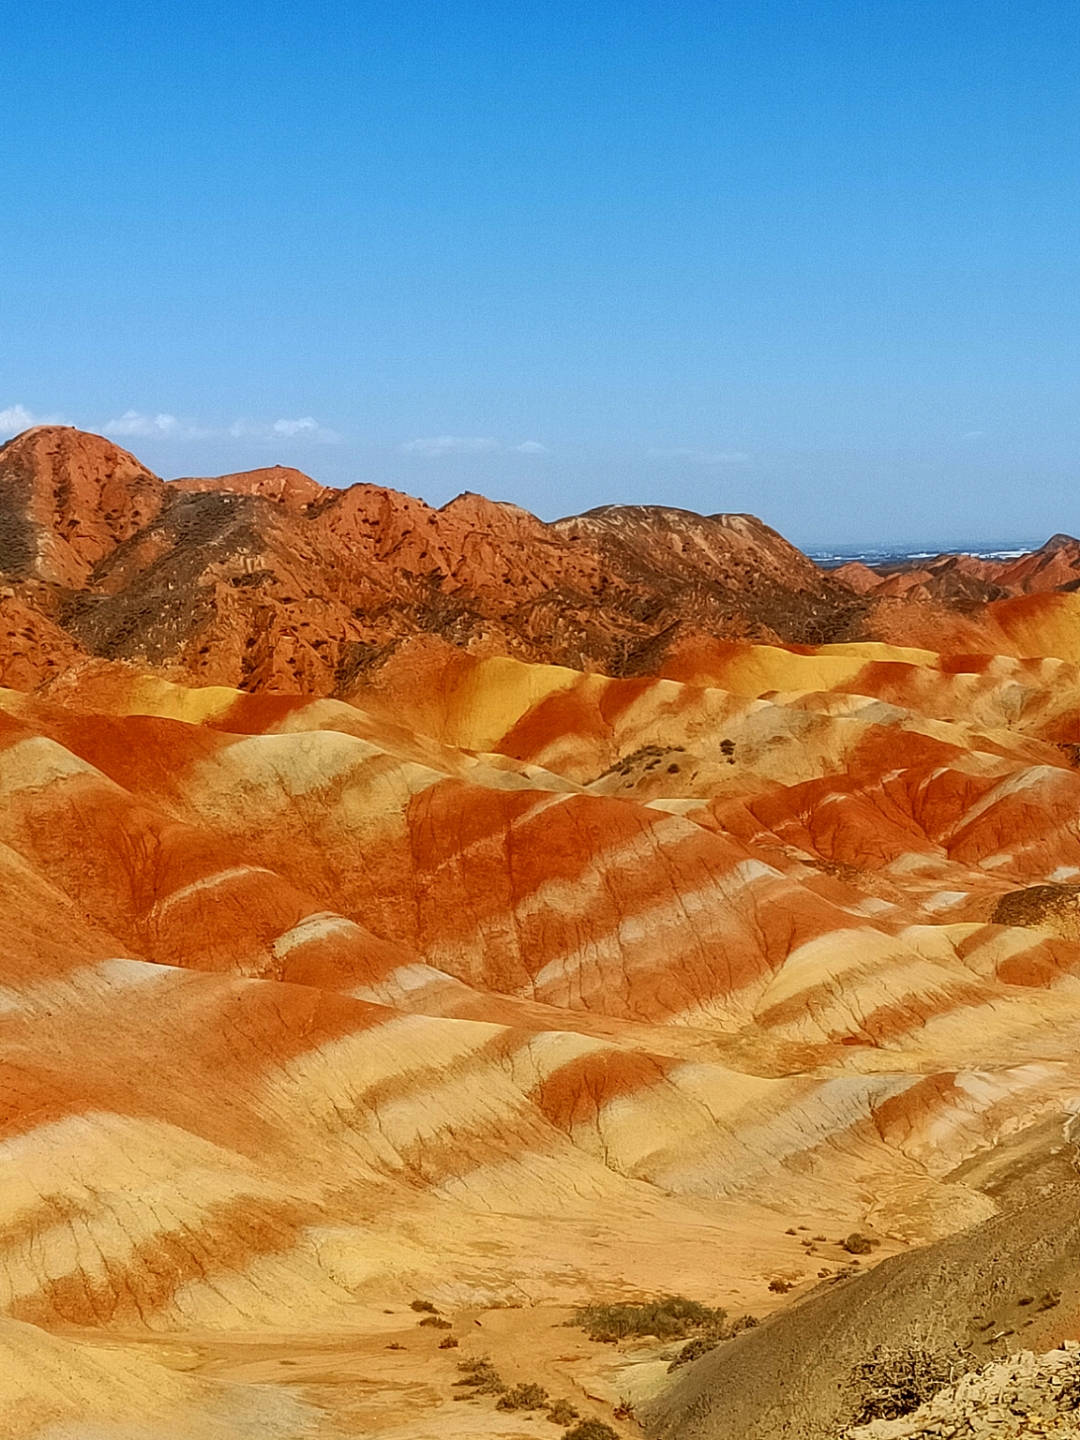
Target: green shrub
561,1412
670,1317
590,1430
481,1376
526,1396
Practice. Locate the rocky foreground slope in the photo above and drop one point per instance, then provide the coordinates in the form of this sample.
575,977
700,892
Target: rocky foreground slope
1025,1395
456,977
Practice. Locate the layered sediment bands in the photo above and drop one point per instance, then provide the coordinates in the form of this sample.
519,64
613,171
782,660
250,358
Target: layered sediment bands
283,980
485,979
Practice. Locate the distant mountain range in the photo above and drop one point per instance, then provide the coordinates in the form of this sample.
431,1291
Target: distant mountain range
268,581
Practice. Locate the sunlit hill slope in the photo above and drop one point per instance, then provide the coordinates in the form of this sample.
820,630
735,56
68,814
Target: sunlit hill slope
404,902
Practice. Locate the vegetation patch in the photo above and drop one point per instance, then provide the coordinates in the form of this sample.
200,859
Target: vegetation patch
561,1412
670,1317
709,1339
480,1377
526,1396
895,1381
857,1244
590,1430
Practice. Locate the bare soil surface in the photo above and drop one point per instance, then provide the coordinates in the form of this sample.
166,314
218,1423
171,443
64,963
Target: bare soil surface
1010,1283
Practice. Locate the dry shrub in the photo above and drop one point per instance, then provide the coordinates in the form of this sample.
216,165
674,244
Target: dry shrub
590,1430
895,1380
693,1350
561,1412
857,1244
525,1396
709,1339
481,1377
670,1317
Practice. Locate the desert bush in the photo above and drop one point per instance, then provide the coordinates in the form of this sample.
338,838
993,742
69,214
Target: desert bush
710,1338
693,1350
857,1244
671,1317
561,1412
423,1305
481,1376
894,1381
780,1287
435,1322
449,1342
590,1430
526,1396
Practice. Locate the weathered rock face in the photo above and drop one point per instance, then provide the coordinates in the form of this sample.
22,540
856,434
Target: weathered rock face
967,580
67,500
266,580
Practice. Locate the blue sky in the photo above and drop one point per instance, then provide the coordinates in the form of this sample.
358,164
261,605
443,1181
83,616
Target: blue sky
815,259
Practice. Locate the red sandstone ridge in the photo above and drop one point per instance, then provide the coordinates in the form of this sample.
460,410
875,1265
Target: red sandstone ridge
68,500
268,580
968,579
290,487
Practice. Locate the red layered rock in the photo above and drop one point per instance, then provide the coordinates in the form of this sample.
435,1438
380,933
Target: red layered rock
67,500
268,580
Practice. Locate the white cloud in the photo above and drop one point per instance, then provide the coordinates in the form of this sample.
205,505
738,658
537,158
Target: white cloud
531,447
973,435
307,427
294,427
451,445
133,425
16,418
702,457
